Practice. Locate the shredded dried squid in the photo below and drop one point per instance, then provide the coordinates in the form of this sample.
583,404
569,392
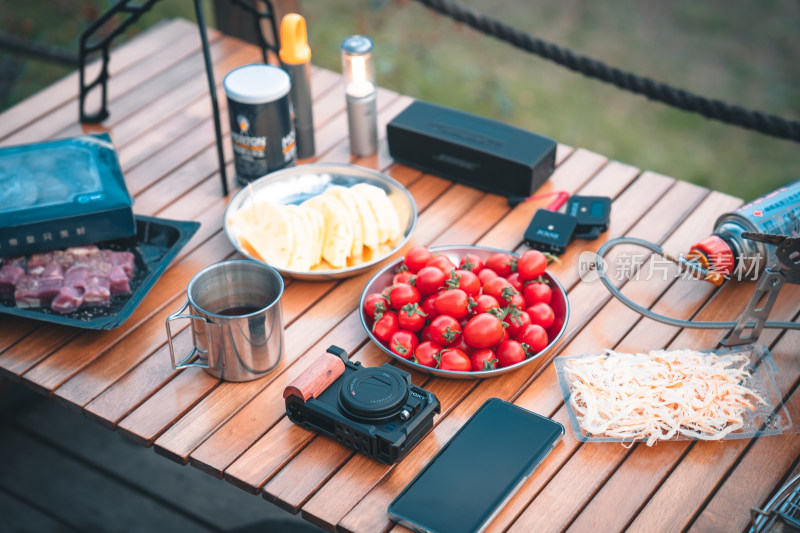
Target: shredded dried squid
660,395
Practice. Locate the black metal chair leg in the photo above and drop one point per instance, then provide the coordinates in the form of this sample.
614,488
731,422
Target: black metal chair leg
133,11
212,89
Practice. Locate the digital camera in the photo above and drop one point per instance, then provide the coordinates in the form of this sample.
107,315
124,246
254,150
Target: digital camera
374,410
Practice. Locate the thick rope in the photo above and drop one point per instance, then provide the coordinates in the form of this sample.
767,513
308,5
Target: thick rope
592,68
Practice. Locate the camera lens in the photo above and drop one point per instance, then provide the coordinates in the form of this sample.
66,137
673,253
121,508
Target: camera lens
373,393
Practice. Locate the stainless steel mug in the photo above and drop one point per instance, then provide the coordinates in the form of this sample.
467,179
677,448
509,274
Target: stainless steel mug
237,324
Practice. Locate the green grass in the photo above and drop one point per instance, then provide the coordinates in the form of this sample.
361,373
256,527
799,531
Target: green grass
740,52
744,53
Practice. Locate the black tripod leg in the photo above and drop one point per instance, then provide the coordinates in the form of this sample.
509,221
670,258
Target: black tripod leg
212,89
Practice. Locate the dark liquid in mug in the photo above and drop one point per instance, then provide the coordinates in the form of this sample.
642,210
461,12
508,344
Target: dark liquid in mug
239,310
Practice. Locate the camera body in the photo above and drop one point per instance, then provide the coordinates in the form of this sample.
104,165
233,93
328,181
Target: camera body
374,410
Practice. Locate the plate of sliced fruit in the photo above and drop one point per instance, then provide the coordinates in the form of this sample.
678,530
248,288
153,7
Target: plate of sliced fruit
321,221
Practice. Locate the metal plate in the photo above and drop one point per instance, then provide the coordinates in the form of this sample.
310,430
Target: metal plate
296,184
559,303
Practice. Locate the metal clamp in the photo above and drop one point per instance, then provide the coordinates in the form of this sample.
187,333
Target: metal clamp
786,269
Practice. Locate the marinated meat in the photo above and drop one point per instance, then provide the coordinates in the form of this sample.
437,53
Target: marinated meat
10,274
98,291
120,282
69,299
67,279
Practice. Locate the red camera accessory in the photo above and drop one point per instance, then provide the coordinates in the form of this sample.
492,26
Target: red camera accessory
377,410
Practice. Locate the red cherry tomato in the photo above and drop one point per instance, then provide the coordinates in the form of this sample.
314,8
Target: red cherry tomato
454,359
535,292
483,359
534,337
484,302
466,281
483,331
486,274
509,353
531,265
429,280
542,314
403,343
502,263
515,282
411,317
517,322
416,258
426,353
445,330
495,287
471,262
429,307
503,291
385,326
443,263
402,294
375,303
462,345
454,302
516,300
425,334
404,277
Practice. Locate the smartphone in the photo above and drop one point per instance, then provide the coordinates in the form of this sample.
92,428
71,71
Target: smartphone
473,476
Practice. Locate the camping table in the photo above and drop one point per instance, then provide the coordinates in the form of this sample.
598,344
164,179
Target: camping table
161,124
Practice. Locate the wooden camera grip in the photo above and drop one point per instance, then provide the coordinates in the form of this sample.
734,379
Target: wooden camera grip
316,378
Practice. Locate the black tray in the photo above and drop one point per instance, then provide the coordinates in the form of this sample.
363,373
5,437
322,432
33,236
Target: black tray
155,245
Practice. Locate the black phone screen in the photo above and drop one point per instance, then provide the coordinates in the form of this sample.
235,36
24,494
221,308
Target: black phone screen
466,483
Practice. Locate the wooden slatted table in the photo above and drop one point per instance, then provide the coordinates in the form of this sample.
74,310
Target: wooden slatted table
160,122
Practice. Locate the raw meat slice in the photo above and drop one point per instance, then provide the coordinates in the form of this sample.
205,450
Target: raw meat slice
98,291
69,299
10,274
126,260
25,293
53,271
119,282
42,259
76,277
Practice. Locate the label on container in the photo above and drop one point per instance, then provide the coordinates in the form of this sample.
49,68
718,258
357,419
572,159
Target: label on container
776,213
263,138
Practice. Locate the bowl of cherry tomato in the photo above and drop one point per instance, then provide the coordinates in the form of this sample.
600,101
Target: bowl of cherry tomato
465,312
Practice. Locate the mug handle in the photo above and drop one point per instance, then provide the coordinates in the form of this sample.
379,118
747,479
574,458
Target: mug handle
185,363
